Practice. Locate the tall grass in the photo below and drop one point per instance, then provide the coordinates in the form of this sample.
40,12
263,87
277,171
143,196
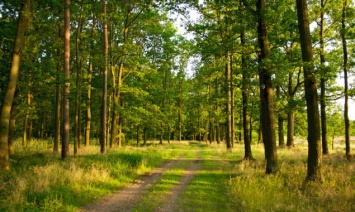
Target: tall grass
41,181
252,190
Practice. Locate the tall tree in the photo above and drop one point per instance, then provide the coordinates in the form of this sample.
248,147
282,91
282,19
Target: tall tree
266,92
346,84
314,163
79,67
12,83
66,122
89,79
323,80
104,84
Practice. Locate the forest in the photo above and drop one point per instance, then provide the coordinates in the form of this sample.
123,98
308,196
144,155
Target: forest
95,77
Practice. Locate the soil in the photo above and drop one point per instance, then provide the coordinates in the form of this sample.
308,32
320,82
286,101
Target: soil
126,199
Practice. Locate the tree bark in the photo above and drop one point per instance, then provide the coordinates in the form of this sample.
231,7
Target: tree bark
103,128
228,104
290,115
266,94
77,125
245,102
27,116
280,122
12,126
11,85
57,115
346,84
322,84
314,163
88,101
66,122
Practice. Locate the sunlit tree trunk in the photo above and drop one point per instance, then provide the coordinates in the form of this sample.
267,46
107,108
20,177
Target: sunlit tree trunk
12,126
65,114
266,93
314,163
11,85
103,125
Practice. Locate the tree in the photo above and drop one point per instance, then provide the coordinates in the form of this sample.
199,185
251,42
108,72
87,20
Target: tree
314,163
346,84
8,99
266,93
103,131
66,122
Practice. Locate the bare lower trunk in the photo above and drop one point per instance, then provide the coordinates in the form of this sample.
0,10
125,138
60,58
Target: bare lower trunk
266,94
11,85
66,122
12,126
346,85
314,163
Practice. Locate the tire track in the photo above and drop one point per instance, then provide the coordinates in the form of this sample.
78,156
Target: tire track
126,199
170,201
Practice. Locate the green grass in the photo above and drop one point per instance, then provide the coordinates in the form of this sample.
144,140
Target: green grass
41,181
207,191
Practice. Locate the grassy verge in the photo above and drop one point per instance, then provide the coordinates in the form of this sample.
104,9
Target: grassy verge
252,190
41,181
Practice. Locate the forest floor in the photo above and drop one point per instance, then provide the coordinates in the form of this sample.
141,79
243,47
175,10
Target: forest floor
128,198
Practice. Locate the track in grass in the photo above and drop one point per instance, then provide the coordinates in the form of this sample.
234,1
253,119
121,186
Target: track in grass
126,199
165,188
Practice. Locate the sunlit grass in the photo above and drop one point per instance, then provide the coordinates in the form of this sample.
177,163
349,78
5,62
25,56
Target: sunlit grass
252,190
41,181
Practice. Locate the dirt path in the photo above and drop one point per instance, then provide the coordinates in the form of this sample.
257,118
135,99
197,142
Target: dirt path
171,199
125,200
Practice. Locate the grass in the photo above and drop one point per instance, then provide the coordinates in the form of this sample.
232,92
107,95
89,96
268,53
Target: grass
252,190
41,181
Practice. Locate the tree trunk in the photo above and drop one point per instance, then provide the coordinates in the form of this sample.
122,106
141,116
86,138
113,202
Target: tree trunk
322,84
314,163
145,136
245,104
11,85
77,125
290,115
266,94
103,128
138,135
280,122
57,116
346,85
228,104
88,101
12,126
27,116
66,122
232,102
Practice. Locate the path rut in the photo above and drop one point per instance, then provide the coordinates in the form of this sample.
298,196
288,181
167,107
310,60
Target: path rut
126,199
